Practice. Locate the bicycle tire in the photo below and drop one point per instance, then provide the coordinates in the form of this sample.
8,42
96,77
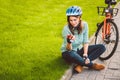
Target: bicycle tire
106,55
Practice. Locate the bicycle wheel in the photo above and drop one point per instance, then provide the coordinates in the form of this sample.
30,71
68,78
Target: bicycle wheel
110,42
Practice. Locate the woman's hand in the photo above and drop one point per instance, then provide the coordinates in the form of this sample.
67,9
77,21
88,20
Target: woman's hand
70,38
85,57
87,61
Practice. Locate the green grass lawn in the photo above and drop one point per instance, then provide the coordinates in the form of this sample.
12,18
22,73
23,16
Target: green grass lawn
30,36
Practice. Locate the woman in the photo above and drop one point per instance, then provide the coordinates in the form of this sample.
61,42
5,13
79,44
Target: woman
75,47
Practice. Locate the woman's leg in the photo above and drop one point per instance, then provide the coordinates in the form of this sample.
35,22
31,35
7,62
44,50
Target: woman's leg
94,51
74,57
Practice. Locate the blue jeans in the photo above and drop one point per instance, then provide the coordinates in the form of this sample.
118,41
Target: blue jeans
94,51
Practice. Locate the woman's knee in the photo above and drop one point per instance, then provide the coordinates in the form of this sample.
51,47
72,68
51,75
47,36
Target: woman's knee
102,47
67,57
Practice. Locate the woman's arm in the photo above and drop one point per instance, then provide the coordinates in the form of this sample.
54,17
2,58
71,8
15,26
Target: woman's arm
85,46
85,55
70,39
85,39
69,46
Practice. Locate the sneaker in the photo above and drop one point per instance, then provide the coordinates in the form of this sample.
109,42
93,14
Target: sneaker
78,68
98,66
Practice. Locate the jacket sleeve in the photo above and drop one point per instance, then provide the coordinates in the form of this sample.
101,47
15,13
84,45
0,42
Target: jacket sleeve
85,33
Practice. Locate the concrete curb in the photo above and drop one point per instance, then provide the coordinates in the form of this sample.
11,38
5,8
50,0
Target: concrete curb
68,74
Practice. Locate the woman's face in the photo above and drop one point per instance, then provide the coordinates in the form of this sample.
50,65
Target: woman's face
74,21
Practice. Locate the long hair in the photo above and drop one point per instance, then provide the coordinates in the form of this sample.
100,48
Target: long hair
79,26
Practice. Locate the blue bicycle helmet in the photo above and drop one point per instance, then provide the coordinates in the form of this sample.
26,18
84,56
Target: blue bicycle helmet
74,11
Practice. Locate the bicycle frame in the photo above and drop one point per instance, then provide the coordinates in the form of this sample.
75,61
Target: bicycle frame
106,27
108,12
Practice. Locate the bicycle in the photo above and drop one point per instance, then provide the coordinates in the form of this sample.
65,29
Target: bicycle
107,31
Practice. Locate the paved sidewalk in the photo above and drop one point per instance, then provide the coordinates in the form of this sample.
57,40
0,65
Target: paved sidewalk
112,70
